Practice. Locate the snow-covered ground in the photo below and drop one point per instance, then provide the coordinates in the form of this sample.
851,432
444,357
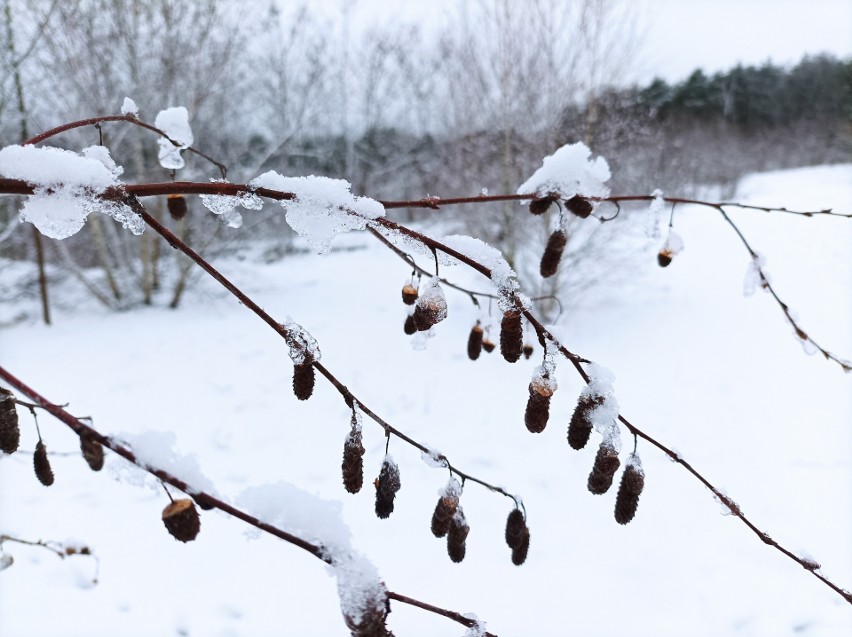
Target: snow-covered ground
713,374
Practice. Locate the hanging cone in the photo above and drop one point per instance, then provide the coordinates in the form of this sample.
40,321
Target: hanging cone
387,485
474,342
552,254
632,483
409,294
10,433
515,525
303,380
93,453
488,346
606,464
457,536
410,327
177,206
511,336
353,462
538,407
519,552
42,465
580,428
181,520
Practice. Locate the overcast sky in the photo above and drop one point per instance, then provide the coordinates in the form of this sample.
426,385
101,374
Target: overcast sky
681,35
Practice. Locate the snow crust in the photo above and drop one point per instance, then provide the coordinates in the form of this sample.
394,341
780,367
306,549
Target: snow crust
66,187
128,107
323,207
174,122
569,172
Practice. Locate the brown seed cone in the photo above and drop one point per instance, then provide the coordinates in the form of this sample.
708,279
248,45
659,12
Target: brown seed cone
474,342
372,621
443,515
387,485
410,327
629,490
182,520
664,258
511,336
579,206
580,428
552,253
353,462
457,537
10,433
538,411
303,380
540,206
519,552
177,206
528,351
606,464
409,294
428,314
93,453
42,465
488,346
515,525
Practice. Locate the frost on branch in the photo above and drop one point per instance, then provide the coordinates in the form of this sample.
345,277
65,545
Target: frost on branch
322,207
67,187
569,172
303,346
174,122
225,206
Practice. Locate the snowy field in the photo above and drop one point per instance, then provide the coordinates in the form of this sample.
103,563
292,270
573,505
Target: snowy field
717,376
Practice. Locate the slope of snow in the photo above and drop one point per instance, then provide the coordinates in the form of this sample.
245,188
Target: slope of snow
713,374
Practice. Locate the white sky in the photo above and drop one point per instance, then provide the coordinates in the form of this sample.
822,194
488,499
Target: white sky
684,34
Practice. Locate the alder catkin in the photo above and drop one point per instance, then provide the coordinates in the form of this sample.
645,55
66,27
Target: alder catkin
474,342
42,465
10,433
511,336
528,351
431,306
629,490
93,453
579,206
488,345
303,380
664,258
177,206
515,525
409,327
519,552
387,485
540,206
443,515
409,294
181,520
457,536
538,407
552,253
353,461
603,470
580,427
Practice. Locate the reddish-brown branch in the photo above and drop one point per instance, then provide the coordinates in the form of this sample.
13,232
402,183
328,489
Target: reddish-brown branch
202,498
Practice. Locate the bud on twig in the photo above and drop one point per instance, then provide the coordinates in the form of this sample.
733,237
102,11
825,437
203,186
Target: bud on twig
181,520
303,380
606,464
176,204
457,536
474,342
10,433
552,253
42,465
579,206
511,336
93,453
387,485
632,483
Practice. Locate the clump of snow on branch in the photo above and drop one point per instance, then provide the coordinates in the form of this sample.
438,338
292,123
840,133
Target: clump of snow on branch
303,346
319,522
67,187
478,628
604,417
224,206
174,122
322,207
655,214
128,107
156,450
755,275
434,458
503,276
569,172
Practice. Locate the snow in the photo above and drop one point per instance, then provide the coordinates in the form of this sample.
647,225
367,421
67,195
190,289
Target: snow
752,276
673,245
66,187
705,371
225,206
128,107
604,417
655,214
433,458
323,207
303,346
174,122
569,172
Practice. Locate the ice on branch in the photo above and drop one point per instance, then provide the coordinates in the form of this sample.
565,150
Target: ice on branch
569,172
67,187
434,458
224,206
128,107
478,628
174,122
303,346
322,207
319,522
604,416
655,214
502,275
754,276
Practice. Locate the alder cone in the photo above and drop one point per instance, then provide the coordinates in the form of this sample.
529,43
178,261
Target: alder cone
409,327
303,380
579,206
603,470
538,411
387,485
629,490
511,336
10,433
93,453
474,342
457,537
353,462
515,525
664,258
177,206
519,552
181,520
488,346
443,515
409,294
42,465
580,428
540,206
552,253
